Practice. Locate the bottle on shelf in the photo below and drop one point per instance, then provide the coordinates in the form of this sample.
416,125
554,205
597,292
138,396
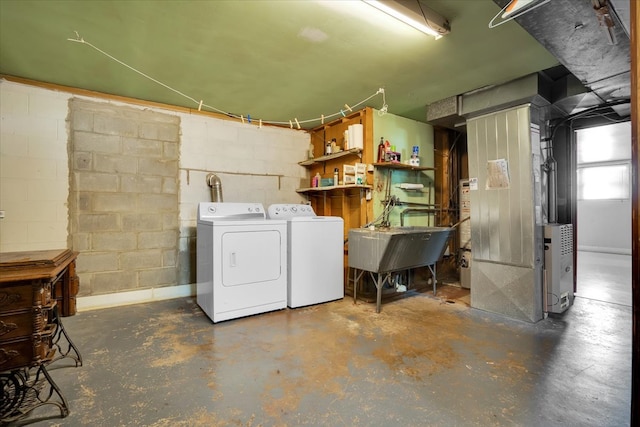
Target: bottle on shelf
381,150
415,160
335,177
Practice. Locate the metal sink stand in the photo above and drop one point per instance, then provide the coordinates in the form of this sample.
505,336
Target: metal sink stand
379,278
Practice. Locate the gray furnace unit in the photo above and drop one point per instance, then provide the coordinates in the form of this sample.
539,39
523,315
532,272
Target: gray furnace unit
505,194
558,267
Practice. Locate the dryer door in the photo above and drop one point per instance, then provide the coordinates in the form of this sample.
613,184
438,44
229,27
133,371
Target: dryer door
250,257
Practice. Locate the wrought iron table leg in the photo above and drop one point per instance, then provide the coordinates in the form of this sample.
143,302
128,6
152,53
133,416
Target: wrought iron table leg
60,333
21,393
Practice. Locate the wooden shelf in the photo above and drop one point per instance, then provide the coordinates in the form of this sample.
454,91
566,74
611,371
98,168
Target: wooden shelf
322,159
402,166
332,187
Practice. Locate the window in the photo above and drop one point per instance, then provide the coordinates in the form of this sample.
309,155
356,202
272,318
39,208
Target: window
604,182
604,166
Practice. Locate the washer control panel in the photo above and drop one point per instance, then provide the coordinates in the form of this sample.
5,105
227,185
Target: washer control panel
286,211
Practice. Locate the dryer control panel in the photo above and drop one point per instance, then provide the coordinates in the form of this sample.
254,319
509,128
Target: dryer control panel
219,211
286,211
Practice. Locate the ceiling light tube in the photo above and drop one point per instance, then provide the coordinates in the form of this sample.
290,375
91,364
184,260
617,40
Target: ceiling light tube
426,21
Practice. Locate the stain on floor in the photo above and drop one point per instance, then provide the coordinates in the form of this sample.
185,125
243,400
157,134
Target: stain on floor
423,361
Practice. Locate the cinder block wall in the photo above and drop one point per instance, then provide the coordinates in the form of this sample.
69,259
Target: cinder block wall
123,196
255,165
34,176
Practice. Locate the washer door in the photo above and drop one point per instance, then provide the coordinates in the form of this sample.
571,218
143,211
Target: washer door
250,257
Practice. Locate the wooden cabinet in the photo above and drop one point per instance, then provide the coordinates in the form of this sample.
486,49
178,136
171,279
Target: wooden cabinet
36,288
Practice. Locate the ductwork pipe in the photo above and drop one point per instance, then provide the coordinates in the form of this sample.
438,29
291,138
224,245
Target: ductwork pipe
550,168
216,187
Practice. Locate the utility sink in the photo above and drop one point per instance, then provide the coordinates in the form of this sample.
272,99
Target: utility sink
390,249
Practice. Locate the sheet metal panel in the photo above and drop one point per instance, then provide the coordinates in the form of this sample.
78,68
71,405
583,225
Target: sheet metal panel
503,219
506,236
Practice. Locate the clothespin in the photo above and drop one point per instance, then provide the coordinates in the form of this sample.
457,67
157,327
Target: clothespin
347,107
290,124
200,106
260,124
242,118
249,117
297,124
342,112
322,119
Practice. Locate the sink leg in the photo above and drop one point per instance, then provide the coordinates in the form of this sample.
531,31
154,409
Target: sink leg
355,285
379,294
434,280
432,268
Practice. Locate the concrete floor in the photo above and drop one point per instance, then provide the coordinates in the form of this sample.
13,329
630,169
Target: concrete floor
604,277
422,361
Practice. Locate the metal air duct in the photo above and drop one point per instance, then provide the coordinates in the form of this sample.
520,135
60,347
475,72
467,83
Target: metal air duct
214,182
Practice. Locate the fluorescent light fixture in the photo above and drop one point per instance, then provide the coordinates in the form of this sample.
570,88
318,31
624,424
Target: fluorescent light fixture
415,14
515,9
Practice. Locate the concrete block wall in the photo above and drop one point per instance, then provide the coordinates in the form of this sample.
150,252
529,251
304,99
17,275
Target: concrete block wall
123,198
254,165
34,176
120,158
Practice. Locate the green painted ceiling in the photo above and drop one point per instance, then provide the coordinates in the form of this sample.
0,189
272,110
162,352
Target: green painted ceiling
253,58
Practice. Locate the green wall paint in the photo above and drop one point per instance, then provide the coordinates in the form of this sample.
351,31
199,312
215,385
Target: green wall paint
404,134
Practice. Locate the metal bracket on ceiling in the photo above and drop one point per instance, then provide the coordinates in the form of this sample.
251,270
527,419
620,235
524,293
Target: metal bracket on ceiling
605,19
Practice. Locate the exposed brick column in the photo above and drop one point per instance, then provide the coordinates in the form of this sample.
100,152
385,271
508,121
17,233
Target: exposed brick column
123,196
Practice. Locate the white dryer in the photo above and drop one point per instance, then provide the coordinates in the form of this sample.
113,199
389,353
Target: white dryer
316,254
241,260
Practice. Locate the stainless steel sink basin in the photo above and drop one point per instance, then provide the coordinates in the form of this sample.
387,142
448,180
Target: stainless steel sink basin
396,248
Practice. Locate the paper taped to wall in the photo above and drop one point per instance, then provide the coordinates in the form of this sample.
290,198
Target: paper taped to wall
497,174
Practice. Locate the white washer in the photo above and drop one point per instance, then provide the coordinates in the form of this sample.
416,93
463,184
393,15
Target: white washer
316,254
241,260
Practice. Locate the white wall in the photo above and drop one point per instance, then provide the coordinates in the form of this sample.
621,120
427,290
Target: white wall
254,164
34,173
604,226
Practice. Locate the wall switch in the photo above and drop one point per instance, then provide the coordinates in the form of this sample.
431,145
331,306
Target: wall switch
1,214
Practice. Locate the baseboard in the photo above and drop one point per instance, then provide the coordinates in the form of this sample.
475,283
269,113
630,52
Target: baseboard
617,251
96,302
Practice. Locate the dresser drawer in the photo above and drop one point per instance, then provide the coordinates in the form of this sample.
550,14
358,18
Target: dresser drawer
26,351
17,296
25,323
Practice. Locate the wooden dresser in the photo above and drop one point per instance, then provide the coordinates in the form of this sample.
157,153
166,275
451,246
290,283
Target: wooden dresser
36,289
